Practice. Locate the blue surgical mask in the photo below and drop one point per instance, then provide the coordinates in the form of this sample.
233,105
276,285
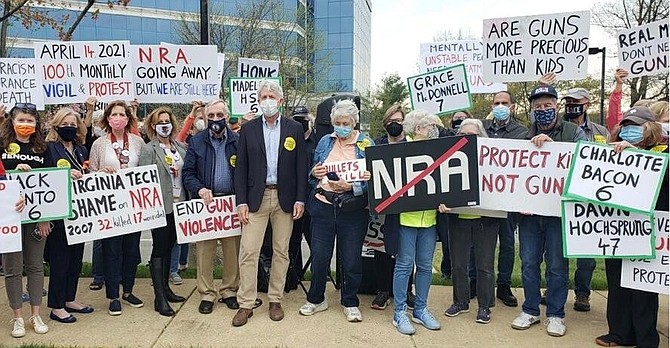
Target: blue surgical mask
342,131
544,117
632,134
501,112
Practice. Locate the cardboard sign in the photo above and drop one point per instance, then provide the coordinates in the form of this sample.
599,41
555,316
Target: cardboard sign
525,48
596,231
257,68
440,91
348,171
516,176
644,50
71,71
243,94
197,222
438,55
10,219
175,73
629,180
20,82
651,274
108,205
220,66
419,175
374,239
47,192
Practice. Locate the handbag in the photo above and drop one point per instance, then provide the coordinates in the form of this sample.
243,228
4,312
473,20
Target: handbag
345,201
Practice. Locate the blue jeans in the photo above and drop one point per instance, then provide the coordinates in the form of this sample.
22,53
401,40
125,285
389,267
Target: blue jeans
506,251
414,245
96,262
541,236
120,255
583,275
350,229
179,257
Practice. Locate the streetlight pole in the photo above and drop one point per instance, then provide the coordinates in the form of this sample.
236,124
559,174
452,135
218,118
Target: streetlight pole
596,50
204,22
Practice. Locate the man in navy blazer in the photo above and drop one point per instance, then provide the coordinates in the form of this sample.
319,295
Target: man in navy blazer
270,185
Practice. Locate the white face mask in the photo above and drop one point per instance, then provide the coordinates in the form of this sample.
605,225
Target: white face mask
99,132
163,130
269,107
666,128
200,125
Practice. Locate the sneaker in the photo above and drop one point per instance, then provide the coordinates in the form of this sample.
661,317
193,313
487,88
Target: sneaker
353,314
114,307
555,326
381,300
543,298
176,279
25,297
132,300
456,309
411,300
425,318
582,303
310,308
37,324
483,315
524,321
18,327
402,323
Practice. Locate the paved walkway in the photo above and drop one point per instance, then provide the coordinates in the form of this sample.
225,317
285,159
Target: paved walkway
145,328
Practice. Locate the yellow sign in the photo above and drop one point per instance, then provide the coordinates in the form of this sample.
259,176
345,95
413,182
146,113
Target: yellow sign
13,148
289,143
63,163
599,139
233,160
363,144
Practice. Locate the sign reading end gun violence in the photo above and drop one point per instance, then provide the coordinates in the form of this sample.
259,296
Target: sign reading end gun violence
651,275
629,180
196,221
108,205
644,50
47,193
243,94
10,219
440,91
421,175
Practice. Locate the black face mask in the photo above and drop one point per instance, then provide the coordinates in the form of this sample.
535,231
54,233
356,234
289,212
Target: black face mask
67,133
456,124
303,122
394,129
444,132
217,126
573,111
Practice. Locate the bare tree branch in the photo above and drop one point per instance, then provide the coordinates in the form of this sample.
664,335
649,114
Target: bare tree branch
10,13
68,35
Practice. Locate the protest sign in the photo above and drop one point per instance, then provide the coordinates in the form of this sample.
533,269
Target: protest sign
257,68
72,71
525,48
644,50
516,176
10,219
220,66
47,192
108,205
629,180
20,82
420,175
175,73
243,94
437,55
440,91
374,239
596,231
348,171
196,221
651,274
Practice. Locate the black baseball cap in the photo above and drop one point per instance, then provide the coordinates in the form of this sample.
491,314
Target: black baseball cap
543,90
300,111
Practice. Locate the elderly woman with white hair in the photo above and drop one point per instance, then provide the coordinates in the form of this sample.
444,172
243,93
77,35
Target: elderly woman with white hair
348,222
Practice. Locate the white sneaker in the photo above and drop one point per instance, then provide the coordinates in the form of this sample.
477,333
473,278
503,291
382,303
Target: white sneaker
18,327
353,314
555,326
37,324
524,321
310,308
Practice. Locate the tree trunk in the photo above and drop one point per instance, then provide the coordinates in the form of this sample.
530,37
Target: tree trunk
3,29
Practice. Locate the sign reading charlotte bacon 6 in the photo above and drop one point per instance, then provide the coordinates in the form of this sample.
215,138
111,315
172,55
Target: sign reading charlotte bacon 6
651,275
10,219
108,205
47,192
196,221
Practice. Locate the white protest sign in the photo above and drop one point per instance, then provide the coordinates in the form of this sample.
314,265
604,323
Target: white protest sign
249,67
196,221
220,65
521,49
71,71
516,176
438,55
440,91
243,94
47,192
20,82
644,50
175,73
629,180
108,205
349,171
651,275
10,219
596,231
374,238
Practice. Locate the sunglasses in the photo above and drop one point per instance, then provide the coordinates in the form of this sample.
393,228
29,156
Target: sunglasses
29,106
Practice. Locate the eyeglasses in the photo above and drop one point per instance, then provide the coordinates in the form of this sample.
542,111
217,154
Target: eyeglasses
29,106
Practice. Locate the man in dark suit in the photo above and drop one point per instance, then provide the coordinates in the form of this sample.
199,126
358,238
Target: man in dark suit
270,185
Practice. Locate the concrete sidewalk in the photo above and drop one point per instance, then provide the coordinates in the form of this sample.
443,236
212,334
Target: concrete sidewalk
145,328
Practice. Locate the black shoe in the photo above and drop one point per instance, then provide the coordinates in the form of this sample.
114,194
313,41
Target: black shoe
68,320
257,303
473,288
159,280
231,302
582,303
132,301
114,307
172,297
505,295
411,300
169,294
543,298
206,307
381,300
83,310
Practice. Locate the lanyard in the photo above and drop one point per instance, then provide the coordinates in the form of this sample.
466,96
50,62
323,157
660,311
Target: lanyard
121,153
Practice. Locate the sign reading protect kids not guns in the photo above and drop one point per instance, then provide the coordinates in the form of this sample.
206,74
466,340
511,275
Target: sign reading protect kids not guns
644,50
440,91
108,205
10,219
196,221
651,275
47,193
20,82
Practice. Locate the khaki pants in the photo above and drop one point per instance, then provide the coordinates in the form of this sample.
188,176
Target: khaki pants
253,234
230,277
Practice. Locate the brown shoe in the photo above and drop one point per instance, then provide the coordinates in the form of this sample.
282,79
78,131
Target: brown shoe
276,313
242,316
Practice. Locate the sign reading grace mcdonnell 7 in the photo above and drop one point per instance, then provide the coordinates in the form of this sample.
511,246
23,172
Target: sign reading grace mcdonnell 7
420,175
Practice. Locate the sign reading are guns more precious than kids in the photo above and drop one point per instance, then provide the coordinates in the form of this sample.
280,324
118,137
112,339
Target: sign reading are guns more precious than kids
438,55
108,205
47,192
525,48
196,221
20,82
10,219
74,70
629,180
651,275
249,67
644,50
596,231
243,94
440,91
348,171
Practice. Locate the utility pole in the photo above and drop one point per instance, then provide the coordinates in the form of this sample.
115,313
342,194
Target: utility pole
204,22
